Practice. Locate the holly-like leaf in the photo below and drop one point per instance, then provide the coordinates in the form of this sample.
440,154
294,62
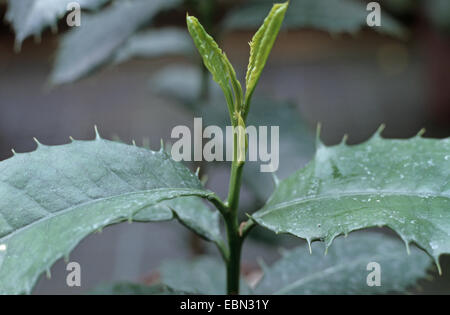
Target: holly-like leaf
217,63
346,268
30,17
100,35
52,198
260,48
156,43
334,16
203,275
401,184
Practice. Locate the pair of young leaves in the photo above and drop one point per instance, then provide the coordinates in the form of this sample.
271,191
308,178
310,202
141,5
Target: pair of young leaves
223,72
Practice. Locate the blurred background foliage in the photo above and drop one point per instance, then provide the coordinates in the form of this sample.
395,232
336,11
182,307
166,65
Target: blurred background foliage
327,66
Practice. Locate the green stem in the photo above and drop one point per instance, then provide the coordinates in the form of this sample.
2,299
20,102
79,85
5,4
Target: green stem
232,227
234,257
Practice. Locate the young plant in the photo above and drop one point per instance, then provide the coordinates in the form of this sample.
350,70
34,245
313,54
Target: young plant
52,198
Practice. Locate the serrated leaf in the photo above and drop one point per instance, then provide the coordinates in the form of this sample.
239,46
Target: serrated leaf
156,43
52,198
127,288
30,17
334,16
100,35
401,184
217,63
203,275
344,269
260,48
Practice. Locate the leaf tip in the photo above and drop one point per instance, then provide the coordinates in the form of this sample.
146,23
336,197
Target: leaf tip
197,171
438,265
344,139
37,142
421,133
408,250
379,131
97,134
319,142
308,240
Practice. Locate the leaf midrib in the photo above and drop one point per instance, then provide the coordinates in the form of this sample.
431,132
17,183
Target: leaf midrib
327,271
189,192
348,194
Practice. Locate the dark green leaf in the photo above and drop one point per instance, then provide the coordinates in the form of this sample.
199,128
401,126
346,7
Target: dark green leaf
402,184
52,198
344,269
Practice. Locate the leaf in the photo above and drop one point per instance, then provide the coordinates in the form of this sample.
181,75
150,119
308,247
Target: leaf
127,288
344,269
260,48
334,16
30,17
179,82
296,143
439,13
100,35
155,43
401,184
190,211
203,275
217,63
52,198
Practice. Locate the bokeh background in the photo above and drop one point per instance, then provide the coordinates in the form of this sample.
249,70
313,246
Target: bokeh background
327,66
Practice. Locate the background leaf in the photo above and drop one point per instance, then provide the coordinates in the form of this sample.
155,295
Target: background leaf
203,275
30,17
401,184
127,288
344,269
439,12
334,16
92,44
52,198
156,43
